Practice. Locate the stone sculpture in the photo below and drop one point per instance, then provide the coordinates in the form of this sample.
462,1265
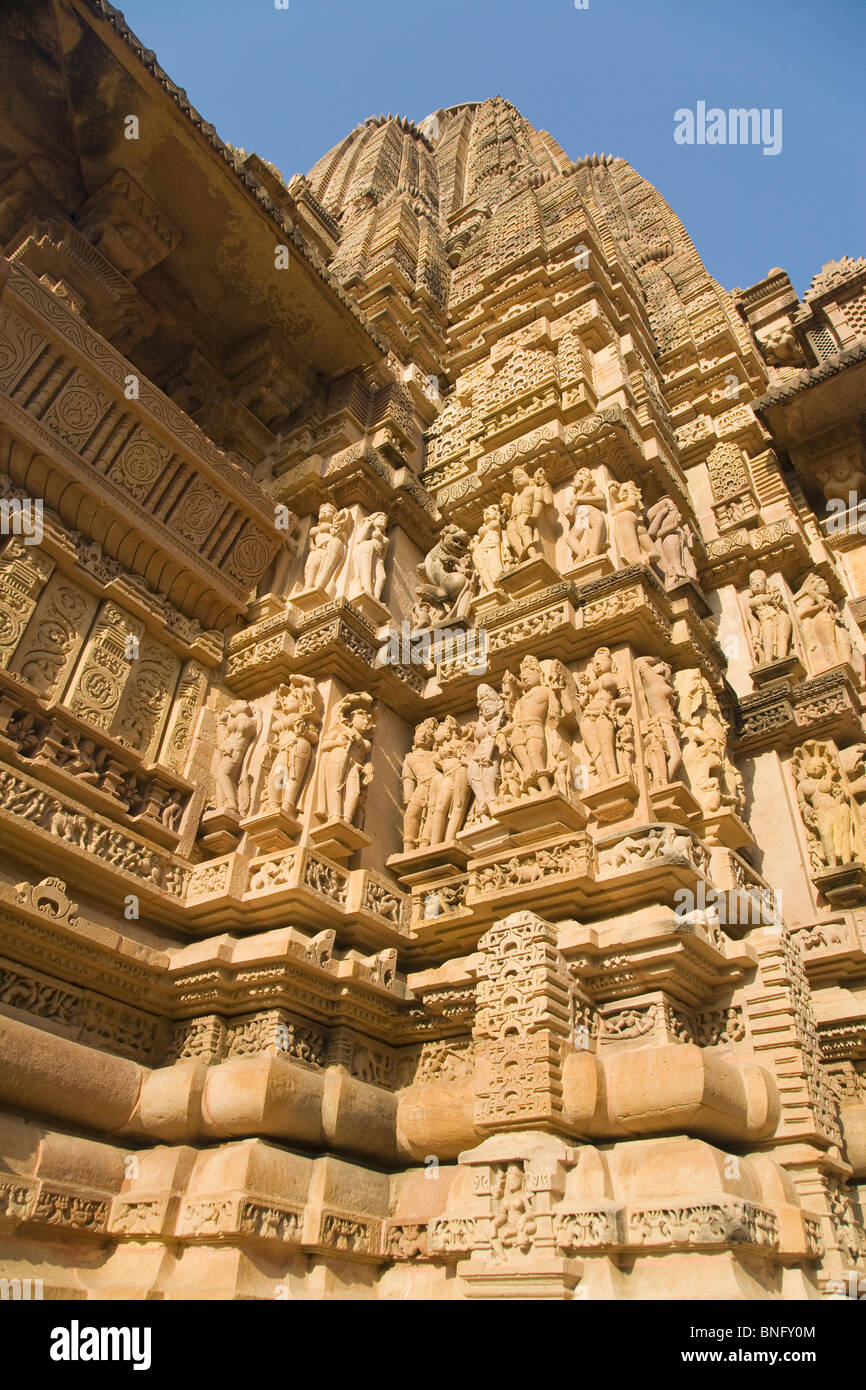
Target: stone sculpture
529,506
825,635
445,581
633,542
369,547
532,715
491,552
713,779
237,730
421,775
344,769
604,702
451,746
294,733
661,741
585,509
828,812
327,547
673,540
484,767
770,623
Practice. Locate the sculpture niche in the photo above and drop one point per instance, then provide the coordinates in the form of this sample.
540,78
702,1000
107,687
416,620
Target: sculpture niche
770,624
828,812
343,775
825,636
585,509
326,552
238,728
369,547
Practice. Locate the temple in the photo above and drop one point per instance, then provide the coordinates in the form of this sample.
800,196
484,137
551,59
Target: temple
433,788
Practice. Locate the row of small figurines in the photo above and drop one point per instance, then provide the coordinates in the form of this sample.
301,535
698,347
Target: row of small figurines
521,526
547,730
544,730
262,763
772,617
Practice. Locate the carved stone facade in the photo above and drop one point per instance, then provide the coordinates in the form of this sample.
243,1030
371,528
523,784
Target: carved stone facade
433,757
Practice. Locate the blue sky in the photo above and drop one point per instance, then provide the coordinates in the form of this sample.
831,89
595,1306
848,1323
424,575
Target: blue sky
291,83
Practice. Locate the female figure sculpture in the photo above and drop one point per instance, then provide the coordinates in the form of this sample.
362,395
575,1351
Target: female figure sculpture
239,726
343,762
295,726
604,704
633,543
662,743
769,621
673,540
491,553
824,633
585,509
327,548
369,549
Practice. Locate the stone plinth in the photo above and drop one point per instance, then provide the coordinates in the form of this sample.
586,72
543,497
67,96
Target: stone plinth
338,840
273,830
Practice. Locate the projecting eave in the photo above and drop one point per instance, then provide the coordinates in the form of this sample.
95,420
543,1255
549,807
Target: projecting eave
229,224
816,398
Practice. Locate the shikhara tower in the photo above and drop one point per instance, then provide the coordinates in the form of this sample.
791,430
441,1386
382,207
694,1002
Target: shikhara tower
322,973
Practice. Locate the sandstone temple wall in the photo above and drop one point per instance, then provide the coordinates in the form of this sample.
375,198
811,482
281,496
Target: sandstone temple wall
432,683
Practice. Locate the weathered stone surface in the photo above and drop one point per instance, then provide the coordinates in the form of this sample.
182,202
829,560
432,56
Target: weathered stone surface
433,758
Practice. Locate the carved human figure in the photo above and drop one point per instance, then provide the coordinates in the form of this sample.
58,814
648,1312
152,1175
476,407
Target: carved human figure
289,526
661,736
827,811
421,775
327,547
512,1210
530,503
604,703
237,731
562,730
844,476
85,760
452,749
445,580
491,553
633,543
294,733
625,746
172,810
825,635
586,512
770,623
345,748
536,708
713,778
483,768
673,540
368,554
853,760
